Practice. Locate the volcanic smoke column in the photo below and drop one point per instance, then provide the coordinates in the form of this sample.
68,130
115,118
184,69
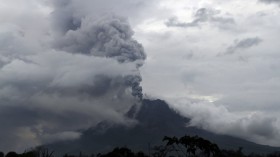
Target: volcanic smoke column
107,36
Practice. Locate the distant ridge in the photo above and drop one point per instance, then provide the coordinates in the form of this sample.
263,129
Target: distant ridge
156,120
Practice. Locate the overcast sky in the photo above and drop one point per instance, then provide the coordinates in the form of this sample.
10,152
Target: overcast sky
66,65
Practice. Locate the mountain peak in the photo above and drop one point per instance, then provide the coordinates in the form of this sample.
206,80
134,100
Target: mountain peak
157,113
155,120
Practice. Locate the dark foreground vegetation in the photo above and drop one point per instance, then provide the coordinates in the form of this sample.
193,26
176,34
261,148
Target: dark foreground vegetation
186,146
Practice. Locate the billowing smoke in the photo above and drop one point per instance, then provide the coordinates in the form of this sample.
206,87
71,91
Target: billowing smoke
110,37
107,36
68,73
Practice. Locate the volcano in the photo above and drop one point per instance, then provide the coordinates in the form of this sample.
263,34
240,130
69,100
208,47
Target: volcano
155,120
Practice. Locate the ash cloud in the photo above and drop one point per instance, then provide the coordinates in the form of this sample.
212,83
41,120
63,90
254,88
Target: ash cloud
202,15
56,80
109,36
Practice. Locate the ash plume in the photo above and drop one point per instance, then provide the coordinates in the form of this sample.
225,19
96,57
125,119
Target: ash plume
108,36
67,74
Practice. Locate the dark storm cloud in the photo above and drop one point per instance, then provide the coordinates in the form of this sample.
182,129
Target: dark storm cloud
243,44
202,15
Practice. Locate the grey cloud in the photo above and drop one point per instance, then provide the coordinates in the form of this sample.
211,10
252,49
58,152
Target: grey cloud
241,87
255,127
263,126
73,93
173,22
270,1
64,17
243,44
202,15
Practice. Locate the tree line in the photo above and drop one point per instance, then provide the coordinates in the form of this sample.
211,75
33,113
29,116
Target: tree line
186,146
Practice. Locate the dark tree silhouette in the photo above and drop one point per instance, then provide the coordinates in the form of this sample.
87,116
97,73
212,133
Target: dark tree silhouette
2,154
186,146
37,152
190,146
43,152
29,154
123,152
12,154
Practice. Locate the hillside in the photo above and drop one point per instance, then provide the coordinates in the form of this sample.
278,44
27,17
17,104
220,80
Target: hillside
155,120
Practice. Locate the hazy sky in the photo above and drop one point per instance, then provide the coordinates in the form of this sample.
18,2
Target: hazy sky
66,65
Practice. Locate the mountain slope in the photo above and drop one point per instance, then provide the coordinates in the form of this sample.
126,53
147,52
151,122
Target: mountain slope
155,120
